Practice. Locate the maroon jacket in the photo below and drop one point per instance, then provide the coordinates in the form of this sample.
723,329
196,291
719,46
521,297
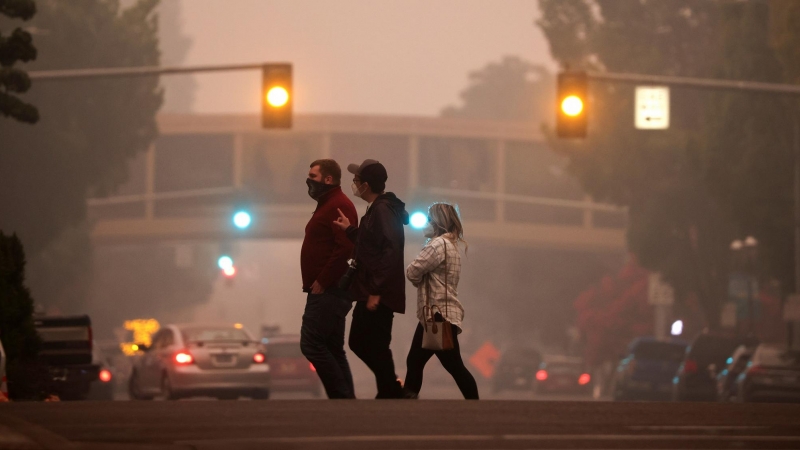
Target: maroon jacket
326,247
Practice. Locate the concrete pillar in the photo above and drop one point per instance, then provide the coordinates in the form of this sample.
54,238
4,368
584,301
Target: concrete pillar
588,215
150,182
238,164
413,163
500,184
326,145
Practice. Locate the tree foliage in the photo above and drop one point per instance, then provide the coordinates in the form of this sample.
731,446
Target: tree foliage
17,332
89,129
511,90
16,47
721,170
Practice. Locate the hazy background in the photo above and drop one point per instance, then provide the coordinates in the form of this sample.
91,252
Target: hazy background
351,56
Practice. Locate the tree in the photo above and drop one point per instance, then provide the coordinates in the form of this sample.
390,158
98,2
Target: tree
18,46
682,213
17,331
89,130
511,90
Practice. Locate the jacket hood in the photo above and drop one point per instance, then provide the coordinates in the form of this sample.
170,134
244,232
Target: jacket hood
394,204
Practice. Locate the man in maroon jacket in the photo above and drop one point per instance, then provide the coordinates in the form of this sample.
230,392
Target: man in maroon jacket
323,261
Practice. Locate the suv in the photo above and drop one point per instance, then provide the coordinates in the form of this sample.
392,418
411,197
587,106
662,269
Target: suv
67,352
647,371
696,379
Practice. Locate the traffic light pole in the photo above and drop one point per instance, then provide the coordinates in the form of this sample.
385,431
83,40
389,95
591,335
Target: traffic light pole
119,72
736,86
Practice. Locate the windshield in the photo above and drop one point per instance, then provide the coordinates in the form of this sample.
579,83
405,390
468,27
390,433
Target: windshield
284,350
210,334
712,350
660,351
776,356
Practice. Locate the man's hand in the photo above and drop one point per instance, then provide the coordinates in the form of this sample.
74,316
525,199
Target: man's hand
317,288
372,302
342,222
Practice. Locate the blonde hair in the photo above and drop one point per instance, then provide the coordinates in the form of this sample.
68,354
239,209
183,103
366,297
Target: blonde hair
446,220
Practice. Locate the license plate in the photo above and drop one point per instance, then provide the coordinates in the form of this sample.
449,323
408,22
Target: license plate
520,381
564,382
288,368
223,359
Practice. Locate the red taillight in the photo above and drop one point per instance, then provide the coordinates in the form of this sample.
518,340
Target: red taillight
259,358
541,375
584,379
311,366
184,358
105,376
690,366
756,370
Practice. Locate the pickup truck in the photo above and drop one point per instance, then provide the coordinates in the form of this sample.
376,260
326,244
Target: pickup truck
67,352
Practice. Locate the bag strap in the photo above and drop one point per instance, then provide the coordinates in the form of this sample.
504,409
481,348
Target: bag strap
446,269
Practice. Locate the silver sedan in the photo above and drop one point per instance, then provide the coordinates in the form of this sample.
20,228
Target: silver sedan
187,360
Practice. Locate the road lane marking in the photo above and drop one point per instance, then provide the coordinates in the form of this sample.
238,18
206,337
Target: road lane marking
504,437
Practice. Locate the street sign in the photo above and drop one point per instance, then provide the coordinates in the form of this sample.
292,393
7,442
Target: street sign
652,108
659,292
485,359
728,319
791,309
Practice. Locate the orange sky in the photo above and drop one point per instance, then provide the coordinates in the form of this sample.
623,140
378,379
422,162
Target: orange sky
357,56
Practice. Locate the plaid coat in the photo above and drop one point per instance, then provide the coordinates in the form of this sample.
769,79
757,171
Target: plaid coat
427,274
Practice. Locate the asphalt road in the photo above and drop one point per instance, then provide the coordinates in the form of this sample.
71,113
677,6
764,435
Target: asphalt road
396,424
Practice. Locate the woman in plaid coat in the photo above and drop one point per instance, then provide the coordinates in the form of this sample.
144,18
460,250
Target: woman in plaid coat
435,273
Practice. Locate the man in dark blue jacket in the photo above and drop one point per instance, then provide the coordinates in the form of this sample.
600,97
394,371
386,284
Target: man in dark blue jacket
379,287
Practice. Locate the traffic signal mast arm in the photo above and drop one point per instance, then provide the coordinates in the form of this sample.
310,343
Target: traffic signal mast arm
701,83
117,72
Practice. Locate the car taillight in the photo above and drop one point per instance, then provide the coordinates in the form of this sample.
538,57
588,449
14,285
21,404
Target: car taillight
690,366
584,379
311,366
184,358
259,358
105,376
756,370
541,375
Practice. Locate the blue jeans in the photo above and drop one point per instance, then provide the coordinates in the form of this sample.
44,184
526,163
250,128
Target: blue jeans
322,342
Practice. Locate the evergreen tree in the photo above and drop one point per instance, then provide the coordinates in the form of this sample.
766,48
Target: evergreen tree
17,331
16,47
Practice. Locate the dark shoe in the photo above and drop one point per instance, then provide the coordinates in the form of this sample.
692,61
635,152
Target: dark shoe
409,394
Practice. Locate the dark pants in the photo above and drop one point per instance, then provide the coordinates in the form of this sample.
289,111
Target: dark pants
450,359
370,336
322,342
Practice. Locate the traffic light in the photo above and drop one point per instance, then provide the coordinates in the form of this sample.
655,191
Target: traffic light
571,108
276,98
242,219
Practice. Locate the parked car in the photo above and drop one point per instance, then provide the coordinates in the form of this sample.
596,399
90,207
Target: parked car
696,378
516,369
104,387
726,380
647,370
291,371
67,352
772,375
563,374
188,360
3,378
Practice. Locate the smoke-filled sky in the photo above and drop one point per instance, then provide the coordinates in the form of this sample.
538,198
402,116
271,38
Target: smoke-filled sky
357,56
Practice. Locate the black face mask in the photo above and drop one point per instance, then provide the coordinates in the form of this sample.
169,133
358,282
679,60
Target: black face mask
317,189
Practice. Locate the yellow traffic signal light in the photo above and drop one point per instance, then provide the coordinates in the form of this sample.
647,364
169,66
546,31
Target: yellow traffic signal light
276,104
571,119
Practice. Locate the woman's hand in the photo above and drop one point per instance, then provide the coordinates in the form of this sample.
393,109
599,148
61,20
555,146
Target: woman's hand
342,222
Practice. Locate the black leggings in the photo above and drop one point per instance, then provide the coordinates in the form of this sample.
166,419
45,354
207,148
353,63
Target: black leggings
450,359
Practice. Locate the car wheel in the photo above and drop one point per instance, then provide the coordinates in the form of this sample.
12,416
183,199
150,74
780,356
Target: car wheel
261,394
134,388
166,389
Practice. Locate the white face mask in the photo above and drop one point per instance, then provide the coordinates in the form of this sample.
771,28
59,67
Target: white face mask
356,191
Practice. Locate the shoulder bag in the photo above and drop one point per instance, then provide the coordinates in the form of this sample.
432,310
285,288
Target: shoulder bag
437,336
